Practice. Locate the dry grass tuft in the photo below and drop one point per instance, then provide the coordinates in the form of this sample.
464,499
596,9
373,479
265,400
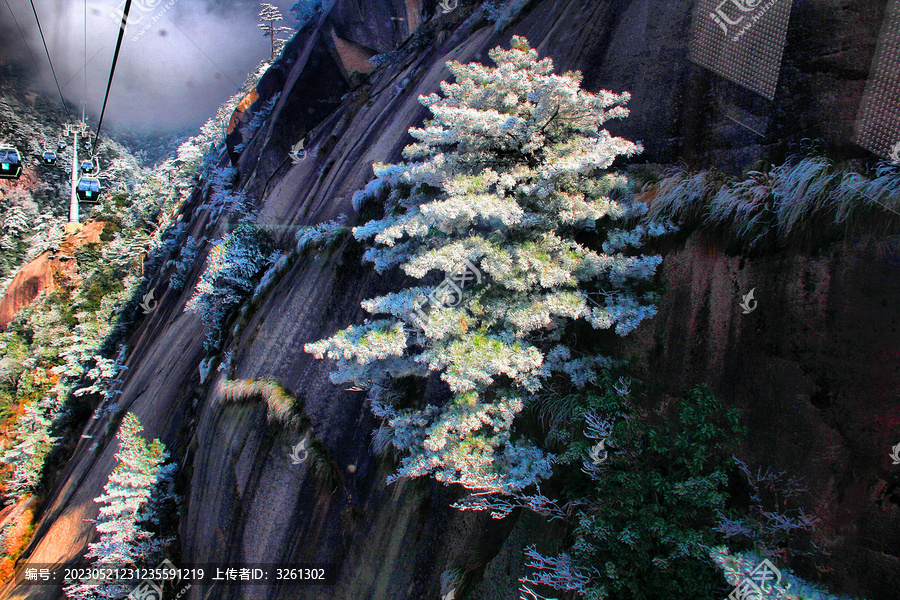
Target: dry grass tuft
283,408
791,200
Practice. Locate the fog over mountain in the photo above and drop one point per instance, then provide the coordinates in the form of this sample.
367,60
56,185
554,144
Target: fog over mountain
171,74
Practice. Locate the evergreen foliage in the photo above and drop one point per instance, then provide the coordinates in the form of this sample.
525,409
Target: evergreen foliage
306,11
65,340
138,489
646,529
660,500
63,332
268,16
233,268
256,122
503,12
185,262
321,236
511,176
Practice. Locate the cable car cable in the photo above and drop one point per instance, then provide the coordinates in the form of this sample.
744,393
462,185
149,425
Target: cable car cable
41,31
69,80
112,70
85,52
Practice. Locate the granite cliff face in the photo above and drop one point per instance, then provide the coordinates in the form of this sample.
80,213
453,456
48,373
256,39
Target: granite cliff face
825,322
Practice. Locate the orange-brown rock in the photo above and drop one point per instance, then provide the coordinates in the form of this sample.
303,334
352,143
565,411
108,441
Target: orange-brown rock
38,275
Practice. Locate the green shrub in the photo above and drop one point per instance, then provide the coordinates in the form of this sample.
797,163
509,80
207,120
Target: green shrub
645,520
87,257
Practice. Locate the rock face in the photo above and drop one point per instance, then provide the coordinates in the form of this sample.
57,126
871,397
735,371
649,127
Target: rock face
813,369
39,274
823,324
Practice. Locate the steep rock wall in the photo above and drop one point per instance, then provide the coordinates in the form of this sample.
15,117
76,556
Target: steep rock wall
815,372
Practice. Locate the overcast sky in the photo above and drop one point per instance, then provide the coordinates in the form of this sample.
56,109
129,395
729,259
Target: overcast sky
171,76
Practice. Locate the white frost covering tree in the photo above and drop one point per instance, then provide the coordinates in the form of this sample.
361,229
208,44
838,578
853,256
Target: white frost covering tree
234,266
129,504
268,16
511,175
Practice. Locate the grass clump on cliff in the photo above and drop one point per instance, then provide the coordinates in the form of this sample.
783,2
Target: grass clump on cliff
282,406
794,198
285,409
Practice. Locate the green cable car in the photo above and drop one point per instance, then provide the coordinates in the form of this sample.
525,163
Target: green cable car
48,157
60,144
88,189
10,163
87,167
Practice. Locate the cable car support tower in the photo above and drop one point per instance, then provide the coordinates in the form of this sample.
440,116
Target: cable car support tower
75,130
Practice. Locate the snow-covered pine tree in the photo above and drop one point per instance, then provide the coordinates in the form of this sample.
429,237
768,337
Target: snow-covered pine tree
268,16
123,539
18,221
233,268
29,450
512,174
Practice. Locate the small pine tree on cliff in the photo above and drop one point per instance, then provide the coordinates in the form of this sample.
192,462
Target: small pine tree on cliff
133,495
511,177
268,16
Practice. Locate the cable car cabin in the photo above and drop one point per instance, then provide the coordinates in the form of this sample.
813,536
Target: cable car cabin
87,167
60,145
48,158
87,144
10,163
88,189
